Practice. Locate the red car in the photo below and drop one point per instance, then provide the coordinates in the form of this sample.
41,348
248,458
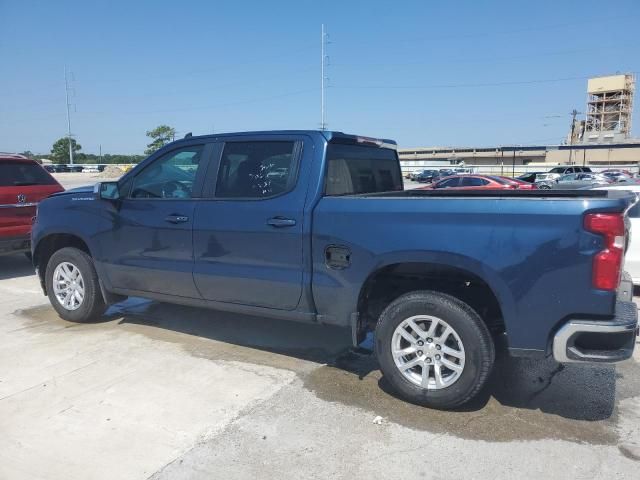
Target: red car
521,184
23,183
476,182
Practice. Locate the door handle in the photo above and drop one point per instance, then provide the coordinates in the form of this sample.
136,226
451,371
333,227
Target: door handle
176,219
280,222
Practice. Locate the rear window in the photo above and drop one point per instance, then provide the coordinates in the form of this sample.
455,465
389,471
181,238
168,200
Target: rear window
19,174
354,169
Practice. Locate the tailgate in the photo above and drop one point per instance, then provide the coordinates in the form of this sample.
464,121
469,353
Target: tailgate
18,207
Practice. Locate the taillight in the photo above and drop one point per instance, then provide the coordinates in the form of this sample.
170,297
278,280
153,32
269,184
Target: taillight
607,264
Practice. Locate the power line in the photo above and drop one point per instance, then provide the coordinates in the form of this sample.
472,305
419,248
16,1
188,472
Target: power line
468,85
209,107
475,60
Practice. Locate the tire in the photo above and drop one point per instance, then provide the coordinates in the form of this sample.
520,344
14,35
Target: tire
470,342
92,305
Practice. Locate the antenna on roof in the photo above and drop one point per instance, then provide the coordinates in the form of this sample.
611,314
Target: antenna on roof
188,135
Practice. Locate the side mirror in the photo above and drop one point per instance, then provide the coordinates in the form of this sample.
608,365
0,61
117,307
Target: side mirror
107,191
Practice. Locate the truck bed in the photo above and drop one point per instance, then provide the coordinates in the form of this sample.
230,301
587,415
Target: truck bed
502,193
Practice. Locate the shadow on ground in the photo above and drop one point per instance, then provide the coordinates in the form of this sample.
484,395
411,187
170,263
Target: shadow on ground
14,266
524,398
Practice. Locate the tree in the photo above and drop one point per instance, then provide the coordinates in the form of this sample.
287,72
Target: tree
161,136
27,153
60,150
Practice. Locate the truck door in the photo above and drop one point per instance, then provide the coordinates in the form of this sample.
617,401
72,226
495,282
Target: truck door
150,247
248,233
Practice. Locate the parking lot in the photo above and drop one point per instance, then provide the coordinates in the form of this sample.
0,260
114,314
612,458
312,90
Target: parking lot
163,391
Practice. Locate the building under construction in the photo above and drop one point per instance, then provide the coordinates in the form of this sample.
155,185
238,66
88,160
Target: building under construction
609,108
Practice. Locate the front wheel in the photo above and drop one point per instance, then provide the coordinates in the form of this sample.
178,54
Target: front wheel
434,349
72,286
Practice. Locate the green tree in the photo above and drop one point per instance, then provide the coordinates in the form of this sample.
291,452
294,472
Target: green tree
160,137
27,153
60,150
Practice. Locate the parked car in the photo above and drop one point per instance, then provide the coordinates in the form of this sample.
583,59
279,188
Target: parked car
430,274
427,176
568,170
473,182
58,168
90,169
530,177
617,176
521,184
446,172
23,183
574,180
618,170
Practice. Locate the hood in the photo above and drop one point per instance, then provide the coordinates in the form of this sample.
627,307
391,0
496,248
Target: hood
71,191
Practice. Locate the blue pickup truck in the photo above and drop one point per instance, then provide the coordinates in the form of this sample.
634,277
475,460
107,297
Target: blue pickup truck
316,227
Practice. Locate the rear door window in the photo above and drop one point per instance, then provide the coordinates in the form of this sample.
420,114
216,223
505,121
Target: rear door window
22,174
356,169
257,169
473,182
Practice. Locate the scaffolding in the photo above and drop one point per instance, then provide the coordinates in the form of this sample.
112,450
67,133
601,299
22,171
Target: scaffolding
610,105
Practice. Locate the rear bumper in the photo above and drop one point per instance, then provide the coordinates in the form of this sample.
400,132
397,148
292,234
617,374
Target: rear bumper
607,341
601,341
15,244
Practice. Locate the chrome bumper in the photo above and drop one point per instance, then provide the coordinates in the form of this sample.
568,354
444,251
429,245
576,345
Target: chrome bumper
601,341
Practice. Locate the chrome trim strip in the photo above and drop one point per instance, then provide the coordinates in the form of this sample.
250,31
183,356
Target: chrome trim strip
18,205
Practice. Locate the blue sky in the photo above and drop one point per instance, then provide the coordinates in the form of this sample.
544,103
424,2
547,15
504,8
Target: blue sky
422,72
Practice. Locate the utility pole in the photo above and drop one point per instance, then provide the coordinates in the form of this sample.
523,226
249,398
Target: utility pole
574,113
100,148
66,91
323,78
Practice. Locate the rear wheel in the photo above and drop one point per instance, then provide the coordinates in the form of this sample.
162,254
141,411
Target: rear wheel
72,286
434,349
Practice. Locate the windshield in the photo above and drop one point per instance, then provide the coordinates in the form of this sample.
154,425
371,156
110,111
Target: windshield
17,174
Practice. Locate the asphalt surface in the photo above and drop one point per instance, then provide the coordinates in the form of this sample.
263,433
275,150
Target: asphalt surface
169,392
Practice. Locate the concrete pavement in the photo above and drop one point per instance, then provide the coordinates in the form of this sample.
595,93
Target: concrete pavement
168,392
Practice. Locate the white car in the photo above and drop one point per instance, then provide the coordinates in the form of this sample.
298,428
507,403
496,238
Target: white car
90,169
632,258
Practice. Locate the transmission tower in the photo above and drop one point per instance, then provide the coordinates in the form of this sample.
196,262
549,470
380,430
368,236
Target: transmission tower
324,58
67,91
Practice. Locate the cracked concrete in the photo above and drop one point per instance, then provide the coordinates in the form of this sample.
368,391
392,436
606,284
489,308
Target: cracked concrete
168,392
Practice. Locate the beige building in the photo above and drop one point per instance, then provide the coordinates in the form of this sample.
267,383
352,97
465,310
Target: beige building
520,158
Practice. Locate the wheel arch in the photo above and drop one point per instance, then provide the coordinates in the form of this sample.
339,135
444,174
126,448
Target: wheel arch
473,282
51,243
